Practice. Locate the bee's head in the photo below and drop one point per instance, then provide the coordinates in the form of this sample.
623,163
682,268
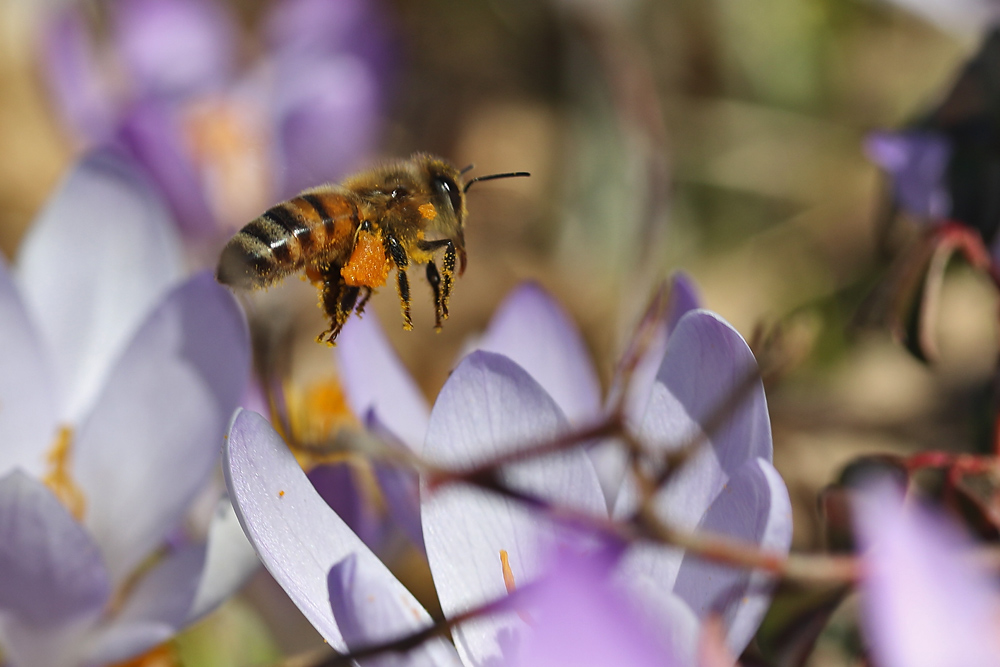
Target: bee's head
447,189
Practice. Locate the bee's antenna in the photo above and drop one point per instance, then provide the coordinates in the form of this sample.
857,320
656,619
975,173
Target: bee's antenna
509,174
467,169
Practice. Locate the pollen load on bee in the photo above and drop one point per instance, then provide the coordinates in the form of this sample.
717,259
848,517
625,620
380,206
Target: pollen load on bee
347,237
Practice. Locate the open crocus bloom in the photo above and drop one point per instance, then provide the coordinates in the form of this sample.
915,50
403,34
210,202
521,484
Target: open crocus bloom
489,407
924,601
118,379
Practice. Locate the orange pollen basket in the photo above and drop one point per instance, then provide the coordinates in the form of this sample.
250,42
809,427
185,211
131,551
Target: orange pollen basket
368,266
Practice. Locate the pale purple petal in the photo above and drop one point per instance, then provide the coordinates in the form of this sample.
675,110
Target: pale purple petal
296,535
311,97
336,484
28,397
490,406
154,610
916,162
228,564
532,329
52,570
705,362
753,507
609,458
81,93
375,380
174,47
684,297
153,436
110,232
152,132
579,619
400,486
924,602
369,612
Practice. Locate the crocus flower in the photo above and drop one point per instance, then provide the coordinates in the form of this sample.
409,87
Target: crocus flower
118,380
224,142
924,601
489,407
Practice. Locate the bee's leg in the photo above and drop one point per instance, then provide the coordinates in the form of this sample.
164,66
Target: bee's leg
434,278
366,293
398,256
337,299
447,270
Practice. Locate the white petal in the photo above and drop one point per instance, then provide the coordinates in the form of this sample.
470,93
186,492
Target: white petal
153,437
229,563
753,507
154,611
295,533
369,612
488,407
28,397
375,379
92,266
532,329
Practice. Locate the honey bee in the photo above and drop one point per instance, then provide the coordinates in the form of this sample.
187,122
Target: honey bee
348,237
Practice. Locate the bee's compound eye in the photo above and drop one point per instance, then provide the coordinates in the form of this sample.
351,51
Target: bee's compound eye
448,187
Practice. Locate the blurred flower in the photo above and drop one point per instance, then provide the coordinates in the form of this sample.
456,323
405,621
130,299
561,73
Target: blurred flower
117,386
925,603
961,16
944,171
916,163
490,407
580,619
223,142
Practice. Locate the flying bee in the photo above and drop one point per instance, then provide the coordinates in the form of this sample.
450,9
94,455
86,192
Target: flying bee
347,237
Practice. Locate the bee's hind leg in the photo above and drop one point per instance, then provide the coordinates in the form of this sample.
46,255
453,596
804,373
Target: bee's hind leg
398,256
337,300
366,293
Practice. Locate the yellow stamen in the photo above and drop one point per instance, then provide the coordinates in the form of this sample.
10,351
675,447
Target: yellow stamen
508,574
58,478
511,585
161,656
315,416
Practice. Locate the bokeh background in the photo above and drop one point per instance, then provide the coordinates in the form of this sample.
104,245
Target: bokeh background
722,137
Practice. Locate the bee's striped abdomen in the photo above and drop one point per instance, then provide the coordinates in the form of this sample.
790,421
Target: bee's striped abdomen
286,238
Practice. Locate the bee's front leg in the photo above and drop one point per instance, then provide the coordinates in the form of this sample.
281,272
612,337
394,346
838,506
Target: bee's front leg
446,280
398,256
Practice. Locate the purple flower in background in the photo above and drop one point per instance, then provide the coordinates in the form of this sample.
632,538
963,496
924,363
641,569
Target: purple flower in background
916,162
489,407
118,381
220,140
924,602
